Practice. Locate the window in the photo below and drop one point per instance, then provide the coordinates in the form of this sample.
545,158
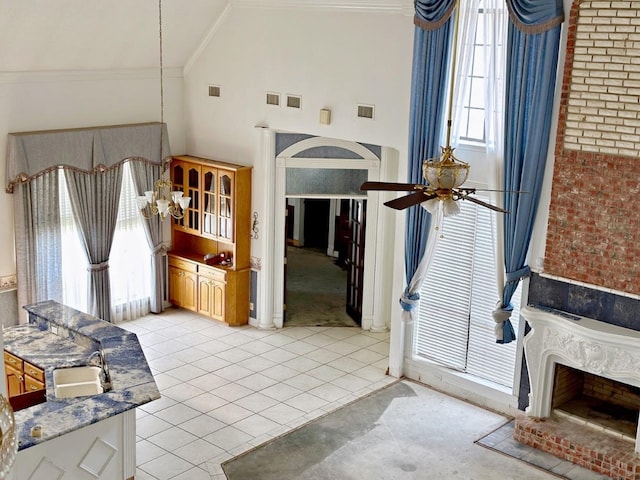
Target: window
74,261
130,258
129,261
455,327
471,126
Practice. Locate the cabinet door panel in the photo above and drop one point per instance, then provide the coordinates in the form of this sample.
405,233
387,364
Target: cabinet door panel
204,298
190,292
225,210
209,202
15,381
175,286
217,300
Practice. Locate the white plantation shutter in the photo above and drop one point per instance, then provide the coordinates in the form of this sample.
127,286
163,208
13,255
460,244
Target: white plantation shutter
443,319
455,327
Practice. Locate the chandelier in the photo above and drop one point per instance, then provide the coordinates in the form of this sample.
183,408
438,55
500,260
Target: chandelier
162,200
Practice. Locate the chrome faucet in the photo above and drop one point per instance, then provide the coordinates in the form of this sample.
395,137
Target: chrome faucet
97,359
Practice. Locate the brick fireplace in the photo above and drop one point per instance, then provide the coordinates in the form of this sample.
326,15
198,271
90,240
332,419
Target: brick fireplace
585,392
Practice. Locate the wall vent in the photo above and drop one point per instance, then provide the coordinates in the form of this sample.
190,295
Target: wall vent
273,98
214,91
294,101
365,111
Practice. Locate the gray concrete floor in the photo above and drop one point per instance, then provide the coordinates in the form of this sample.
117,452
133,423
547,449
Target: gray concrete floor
316,290
406,431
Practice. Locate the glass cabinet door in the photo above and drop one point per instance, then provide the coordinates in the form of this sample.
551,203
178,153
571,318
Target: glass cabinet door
209,217
192,214
225,213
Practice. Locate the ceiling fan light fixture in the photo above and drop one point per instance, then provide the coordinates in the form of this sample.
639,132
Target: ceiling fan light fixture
446,173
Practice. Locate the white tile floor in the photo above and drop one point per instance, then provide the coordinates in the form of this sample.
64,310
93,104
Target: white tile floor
226,390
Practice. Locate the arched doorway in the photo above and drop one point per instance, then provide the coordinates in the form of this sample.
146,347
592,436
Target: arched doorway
362,160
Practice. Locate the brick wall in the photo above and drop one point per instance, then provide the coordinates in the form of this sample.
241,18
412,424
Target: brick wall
594,216
580,444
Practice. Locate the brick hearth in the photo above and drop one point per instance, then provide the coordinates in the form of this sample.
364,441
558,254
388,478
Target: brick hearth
580,444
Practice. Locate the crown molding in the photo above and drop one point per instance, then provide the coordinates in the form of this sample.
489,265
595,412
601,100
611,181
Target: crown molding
404,7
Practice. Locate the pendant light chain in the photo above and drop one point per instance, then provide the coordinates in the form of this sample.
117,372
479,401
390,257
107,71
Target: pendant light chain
161,86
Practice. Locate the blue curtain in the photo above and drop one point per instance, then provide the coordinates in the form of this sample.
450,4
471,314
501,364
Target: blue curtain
532,59
431,57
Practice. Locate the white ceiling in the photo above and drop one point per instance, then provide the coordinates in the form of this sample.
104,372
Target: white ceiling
44,35
38,35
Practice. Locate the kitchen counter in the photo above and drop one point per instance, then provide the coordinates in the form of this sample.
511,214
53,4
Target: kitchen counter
59,336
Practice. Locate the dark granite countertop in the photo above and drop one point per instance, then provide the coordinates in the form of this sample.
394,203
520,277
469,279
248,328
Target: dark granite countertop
59,336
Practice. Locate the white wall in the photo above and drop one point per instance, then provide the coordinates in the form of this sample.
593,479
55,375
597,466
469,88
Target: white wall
72,99
333,59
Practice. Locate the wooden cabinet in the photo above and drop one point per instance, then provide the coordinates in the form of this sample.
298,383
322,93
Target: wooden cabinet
182,284
23,379
217,222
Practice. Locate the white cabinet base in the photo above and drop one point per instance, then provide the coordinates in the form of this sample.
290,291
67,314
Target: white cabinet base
104,450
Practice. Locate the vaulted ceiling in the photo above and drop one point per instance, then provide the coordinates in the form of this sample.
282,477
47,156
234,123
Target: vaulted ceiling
44,35
115,34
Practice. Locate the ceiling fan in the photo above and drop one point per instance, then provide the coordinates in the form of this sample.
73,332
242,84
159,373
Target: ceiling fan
444,174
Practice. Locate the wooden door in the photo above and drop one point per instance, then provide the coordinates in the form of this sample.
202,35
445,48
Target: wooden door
355,258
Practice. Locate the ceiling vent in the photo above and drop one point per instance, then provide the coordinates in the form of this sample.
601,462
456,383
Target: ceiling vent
273,98
214,91
365,111
294,101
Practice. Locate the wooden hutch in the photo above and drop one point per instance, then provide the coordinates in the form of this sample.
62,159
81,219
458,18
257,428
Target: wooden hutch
209,264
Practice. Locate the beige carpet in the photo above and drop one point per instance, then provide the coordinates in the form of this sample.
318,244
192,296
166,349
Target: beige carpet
316,290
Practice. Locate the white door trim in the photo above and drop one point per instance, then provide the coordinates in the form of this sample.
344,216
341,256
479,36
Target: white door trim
273,291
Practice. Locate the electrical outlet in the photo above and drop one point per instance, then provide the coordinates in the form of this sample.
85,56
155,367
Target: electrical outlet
250,305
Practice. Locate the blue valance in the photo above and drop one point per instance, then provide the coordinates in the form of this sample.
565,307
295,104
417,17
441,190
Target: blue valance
432,14
535,16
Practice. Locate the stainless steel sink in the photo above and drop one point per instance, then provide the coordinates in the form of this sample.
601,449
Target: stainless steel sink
77,381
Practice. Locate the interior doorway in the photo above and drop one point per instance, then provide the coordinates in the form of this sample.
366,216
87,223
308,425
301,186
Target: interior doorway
320,289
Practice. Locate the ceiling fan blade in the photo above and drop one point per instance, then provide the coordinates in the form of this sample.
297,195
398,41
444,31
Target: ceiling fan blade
409,200
484,204
468,190
392,187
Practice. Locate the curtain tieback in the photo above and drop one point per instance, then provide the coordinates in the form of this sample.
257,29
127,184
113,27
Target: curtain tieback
159,250
409,301
502,314
516,275
98,267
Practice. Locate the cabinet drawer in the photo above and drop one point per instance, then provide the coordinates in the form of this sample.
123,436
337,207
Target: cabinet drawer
34,372
15,362
182,264
214,273
32,385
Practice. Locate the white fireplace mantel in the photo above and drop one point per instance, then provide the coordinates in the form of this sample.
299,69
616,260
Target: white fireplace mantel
577,342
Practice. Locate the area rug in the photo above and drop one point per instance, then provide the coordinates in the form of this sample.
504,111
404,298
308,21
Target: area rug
405,431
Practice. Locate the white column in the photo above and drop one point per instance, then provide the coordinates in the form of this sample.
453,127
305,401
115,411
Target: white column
265,286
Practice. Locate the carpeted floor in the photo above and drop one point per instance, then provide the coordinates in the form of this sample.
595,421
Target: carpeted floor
316,290
405,431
